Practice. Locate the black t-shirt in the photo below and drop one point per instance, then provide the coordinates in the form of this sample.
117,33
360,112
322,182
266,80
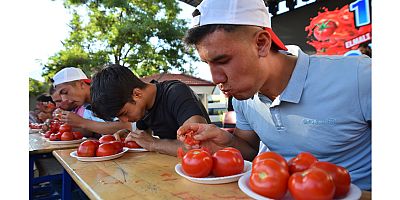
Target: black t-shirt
175,103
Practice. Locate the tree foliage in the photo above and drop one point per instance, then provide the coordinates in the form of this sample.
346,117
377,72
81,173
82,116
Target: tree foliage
144,35
37,88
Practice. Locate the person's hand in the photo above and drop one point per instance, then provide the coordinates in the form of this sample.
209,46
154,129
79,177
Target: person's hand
123,133
209,135
142,138
72,119
43,116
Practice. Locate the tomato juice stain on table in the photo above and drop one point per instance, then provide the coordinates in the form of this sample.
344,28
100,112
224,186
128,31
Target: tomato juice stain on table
147,175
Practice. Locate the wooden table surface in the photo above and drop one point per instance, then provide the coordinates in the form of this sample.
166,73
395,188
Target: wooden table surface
145,175
39,145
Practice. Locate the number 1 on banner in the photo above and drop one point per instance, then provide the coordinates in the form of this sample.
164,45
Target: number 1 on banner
361,12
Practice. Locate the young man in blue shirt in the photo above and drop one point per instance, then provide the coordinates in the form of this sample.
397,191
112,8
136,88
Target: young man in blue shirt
318,104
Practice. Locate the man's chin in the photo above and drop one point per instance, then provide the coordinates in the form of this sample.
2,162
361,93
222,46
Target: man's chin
241,97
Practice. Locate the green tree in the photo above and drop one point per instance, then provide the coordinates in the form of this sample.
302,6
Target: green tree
144,35
37,88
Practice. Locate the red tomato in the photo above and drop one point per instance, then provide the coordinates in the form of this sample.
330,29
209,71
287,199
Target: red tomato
106,149
54,137
269,178
312,184
47,134
132,144
301,162
106,138
77,135
227,161
340,176
189,138
65,128
197,163
118,145
88,148
66,136
324,29
271,155
54,126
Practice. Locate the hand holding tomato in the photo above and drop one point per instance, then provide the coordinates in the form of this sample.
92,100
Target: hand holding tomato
72,119
210,136
143,139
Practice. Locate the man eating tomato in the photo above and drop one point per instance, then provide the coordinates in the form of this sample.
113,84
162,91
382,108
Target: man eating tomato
293,104
72,93
158,108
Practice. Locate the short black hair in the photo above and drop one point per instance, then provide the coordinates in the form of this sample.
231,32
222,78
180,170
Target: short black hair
44,98
111,89
194,35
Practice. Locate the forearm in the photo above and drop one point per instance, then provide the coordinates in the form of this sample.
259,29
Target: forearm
104,127
248,151
166,146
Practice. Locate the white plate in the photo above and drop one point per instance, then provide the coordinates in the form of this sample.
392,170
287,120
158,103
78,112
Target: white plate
354,193
213,179
137,150
66,142
103,158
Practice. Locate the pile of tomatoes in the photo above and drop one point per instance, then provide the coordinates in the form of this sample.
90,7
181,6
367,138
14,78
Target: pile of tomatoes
200,163
62,132
107,145
304,176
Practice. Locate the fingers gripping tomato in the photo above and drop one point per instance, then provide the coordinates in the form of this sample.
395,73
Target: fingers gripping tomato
269,178
189,138
312,184
197,163
227,161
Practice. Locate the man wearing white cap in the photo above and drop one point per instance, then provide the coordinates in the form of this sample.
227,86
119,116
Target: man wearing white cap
318,104
74,87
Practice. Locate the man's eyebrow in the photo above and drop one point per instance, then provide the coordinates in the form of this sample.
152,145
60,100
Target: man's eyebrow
219,57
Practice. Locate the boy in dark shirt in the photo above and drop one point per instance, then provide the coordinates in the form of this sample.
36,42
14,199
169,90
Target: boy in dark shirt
159,109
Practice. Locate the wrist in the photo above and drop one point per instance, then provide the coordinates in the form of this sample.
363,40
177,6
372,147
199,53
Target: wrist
153,145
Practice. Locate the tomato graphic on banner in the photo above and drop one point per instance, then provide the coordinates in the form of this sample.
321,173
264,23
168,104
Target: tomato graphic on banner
341,30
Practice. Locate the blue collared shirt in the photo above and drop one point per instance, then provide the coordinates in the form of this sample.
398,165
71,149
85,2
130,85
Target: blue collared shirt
325,110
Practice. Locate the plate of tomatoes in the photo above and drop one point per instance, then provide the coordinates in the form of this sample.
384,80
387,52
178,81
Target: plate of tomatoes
98,158
212,179
354,192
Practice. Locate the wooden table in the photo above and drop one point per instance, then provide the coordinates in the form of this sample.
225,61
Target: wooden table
39,145
40,148
145,175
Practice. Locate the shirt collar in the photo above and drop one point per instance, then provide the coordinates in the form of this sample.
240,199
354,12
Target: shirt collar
294,89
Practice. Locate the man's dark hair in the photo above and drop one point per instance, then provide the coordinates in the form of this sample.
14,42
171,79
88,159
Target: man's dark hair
111,89
44,98
194,35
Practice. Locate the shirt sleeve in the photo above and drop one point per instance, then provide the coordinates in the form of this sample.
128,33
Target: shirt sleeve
88,114
364,87
184,103
241,121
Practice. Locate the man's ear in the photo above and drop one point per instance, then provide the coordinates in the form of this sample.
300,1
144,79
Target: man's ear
137,94
263,41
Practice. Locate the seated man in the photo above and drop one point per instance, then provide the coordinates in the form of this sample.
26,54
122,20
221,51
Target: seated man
72,88
159,108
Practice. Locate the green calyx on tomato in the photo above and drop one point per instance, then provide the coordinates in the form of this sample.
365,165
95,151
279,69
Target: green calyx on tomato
262,175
